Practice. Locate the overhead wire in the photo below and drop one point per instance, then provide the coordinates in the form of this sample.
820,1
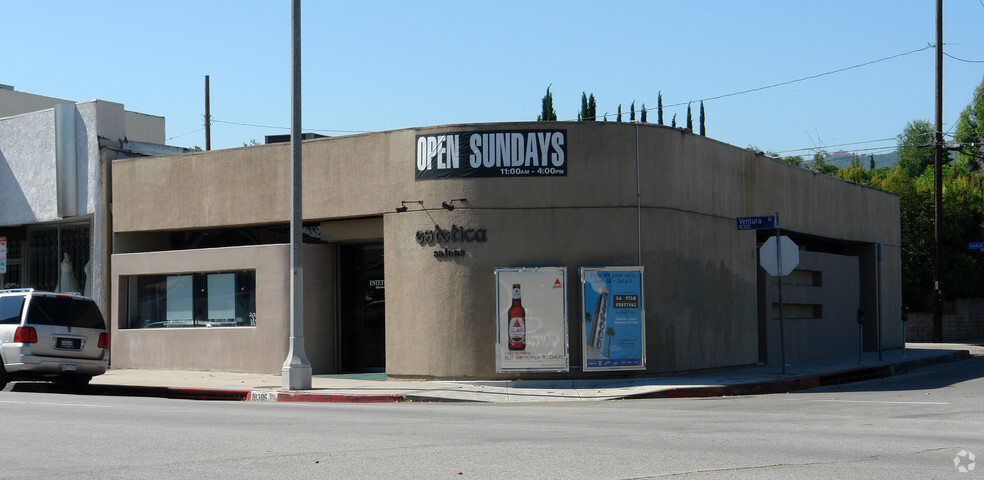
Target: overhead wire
839,145
186,133
287,128
788,82
963,60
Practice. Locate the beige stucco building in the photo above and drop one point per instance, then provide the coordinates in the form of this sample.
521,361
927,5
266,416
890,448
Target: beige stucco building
200,240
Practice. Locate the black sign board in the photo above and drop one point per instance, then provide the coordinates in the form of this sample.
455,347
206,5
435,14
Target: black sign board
520,153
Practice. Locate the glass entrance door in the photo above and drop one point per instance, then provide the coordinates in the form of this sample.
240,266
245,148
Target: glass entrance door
362,319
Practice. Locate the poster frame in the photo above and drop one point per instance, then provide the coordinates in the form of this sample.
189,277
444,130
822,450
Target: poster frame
641,312
499,345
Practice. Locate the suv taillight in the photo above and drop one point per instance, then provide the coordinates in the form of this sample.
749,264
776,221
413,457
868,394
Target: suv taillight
103,340
26,335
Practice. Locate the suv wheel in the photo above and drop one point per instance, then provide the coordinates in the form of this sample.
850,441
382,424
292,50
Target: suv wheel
4,378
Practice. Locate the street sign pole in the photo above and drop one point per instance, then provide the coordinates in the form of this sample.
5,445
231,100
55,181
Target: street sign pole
782,335
776,269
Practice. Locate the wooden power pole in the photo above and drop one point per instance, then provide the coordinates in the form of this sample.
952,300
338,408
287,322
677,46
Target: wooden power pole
208,119
938,183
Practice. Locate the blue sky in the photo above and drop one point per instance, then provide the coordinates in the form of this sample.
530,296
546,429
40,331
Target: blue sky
370,66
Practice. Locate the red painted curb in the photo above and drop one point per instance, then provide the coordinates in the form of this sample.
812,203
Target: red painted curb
336,398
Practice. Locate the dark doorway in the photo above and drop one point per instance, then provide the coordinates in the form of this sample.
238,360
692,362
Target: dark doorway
362,318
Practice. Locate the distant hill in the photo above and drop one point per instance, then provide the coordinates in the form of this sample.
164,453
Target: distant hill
843,159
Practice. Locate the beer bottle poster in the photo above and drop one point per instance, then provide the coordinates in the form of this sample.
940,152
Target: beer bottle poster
613,323
531,319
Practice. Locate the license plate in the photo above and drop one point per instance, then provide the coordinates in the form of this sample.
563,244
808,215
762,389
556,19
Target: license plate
68,343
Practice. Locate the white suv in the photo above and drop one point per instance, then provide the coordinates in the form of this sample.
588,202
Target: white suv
51,336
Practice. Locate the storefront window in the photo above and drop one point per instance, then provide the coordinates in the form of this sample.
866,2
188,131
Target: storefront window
212,299
55,258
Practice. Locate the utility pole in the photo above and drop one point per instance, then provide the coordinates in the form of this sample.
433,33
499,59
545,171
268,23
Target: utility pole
938,182
208,119
296,373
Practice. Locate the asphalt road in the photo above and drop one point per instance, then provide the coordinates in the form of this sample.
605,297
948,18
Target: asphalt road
909,426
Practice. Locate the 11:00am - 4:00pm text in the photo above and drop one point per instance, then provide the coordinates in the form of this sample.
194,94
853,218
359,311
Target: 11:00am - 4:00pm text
538,171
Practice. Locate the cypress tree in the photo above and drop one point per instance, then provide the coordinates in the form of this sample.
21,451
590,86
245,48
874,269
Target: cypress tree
548,113
583,115
642,116
673,122
619,117
592,112
632,112
702,131
659,107
690,119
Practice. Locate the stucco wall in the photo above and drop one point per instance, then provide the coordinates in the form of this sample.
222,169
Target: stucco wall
141,127
366,175
829,282
16,103
27,154
27,160
262,348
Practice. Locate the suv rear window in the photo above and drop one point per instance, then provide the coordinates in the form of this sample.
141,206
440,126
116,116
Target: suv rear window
64,312
10,309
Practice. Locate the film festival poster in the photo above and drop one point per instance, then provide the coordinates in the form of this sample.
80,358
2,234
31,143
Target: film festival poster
614,322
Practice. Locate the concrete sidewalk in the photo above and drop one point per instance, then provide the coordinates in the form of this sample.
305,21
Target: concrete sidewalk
375,388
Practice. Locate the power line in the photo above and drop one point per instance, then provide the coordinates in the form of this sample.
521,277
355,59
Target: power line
286,128
188,133
811,77
963,60
840,145
862,142
788,82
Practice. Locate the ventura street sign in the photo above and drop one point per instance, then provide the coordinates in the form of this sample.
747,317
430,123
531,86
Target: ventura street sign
756,223
976,246
768,256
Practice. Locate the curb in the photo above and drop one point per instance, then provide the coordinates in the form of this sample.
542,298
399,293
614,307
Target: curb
261,396
278,396
806,382
793,384
170,392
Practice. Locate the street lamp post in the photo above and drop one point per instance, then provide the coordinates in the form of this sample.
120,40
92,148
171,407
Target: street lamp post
296,374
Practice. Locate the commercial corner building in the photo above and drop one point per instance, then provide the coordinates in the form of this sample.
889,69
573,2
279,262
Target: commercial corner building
200,267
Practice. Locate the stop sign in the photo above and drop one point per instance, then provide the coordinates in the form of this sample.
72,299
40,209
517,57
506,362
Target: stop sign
790,256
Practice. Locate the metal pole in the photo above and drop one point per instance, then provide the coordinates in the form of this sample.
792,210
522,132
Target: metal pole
860,334
878,260
638,198
938,182
296,374
860,344
782,335
905,327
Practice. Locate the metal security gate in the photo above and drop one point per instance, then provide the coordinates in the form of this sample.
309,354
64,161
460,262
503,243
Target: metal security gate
59,254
